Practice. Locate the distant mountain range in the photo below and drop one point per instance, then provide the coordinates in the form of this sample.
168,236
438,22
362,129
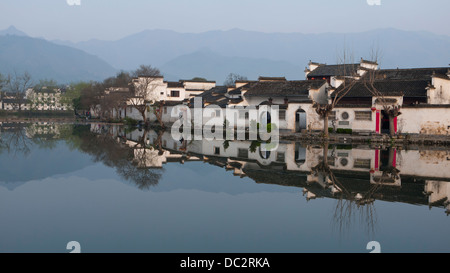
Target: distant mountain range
12,31
260,53
215,54
47,60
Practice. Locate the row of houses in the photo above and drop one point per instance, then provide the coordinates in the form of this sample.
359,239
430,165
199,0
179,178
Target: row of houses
422,94
36,99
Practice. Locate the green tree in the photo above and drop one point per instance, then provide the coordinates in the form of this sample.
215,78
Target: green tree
199,79
72,96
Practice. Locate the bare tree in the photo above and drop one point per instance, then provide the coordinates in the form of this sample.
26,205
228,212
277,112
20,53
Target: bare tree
232,78
15,141
390,107
143,87
17,85
349,203
2,82
91,96
346,69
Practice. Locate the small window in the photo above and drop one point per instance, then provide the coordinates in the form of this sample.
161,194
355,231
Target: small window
175,93
332,115
217,150
362,163
280,157
282,114
218,111
363,115
243,153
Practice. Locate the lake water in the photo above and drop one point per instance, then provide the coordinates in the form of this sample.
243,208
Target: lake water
114,189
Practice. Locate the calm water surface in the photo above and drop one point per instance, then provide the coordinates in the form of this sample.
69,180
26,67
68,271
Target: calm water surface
118,190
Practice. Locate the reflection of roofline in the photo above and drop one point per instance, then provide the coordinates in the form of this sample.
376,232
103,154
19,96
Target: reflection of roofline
198,81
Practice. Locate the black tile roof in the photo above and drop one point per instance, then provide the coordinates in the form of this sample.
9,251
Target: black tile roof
261,78
175,85
286,88
198,80
410,74
406,88
214,95
334,70
236,91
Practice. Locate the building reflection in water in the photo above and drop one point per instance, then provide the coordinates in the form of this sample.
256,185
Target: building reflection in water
362,173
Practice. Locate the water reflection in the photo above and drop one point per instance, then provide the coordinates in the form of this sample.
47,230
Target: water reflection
355,176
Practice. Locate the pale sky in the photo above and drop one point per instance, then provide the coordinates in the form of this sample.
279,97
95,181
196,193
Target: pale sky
115,19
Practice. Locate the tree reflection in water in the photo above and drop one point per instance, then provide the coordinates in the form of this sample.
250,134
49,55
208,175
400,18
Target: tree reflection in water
352,204
128,158
13,139
116,152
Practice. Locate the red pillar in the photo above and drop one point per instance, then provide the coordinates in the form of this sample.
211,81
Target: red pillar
377,119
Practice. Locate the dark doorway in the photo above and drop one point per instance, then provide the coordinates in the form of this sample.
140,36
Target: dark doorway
384,159
385,123
300,120
300,154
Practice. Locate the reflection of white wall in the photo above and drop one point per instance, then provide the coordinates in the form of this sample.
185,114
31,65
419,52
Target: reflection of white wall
438,192
425,163
149,158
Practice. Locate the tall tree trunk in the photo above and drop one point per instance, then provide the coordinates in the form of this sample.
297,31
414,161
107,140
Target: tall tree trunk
325,154
391,158
159,115
325,125
143,115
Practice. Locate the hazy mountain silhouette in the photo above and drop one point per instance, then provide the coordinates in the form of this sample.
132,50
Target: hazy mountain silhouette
12,30
215,54
164,48
46,60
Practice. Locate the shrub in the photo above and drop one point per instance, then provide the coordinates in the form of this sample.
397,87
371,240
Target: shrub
129,121
344,131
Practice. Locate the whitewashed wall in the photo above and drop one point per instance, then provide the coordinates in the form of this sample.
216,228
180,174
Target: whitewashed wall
441,92
432,121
